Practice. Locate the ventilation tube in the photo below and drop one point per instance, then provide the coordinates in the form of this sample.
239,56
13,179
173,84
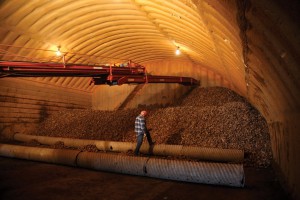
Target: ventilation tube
57,156
208,154
195,172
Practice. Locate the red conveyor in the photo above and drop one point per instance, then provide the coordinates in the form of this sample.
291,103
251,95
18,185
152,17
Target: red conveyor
101,74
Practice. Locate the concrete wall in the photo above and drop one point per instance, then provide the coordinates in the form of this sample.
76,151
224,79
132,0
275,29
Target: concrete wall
27,102
107,97
173,67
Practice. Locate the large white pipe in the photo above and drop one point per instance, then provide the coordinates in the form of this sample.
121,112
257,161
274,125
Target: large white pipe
179,170
57,156
195,172
208,154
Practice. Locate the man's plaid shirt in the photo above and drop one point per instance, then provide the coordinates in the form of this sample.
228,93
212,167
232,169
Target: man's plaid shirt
140,125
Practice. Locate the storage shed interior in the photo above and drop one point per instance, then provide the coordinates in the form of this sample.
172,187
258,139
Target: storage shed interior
250,47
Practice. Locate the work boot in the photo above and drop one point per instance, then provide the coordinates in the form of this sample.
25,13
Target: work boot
152,143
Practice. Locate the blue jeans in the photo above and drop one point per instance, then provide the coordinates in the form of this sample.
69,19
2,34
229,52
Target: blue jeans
139,144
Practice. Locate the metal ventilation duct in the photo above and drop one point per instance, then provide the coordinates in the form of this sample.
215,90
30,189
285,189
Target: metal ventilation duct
209,154
195,172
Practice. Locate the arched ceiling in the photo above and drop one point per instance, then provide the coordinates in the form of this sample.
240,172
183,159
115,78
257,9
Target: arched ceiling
253,44
115,31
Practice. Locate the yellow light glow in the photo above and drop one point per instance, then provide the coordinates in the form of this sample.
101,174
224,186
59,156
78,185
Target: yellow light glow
58,52
177,52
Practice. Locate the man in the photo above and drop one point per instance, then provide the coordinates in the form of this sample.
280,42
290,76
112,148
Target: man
141,130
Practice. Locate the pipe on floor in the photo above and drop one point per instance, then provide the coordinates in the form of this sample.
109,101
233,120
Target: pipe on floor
195,172
201,153
57,156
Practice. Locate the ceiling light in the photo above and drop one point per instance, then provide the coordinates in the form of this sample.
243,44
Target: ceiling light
177,52
58,52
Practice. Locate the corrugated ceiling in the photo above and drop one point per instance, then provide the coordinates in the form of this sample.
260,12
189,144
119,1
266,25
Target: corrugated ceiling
115,31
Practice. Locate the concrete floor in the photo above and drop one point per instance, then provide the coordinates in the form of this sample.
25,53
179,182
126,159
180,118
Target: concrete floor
21,179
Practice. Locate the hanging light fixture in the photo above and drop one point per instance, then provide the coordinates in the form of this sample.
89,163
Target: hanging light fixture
177,52
58,52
